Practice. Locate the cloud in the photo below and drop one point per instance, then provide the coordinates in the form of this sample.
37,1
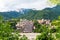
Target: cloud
11,5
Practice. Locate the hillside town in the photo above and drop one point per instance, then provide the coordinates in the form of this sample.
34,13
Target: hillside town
27,26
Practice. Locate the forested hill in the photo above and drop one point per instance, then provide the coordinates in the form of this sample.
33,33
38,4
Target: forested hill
48,13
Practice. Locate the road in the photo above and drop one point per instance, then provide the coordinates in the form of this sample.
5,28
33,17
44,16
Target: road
31,36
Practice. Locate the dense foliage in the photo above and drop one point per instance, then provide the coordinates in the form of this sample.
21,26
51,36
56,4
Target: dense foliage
39,27
7,31
45,36
51,33
23,38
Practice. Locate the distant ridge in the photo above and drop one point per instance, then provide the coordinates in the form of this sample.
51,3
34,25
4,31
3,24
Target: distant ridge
47,13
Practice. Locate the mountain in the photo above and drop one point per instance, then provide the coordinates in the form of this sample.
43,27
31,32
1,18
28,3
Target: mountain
14,14
47,13
11,14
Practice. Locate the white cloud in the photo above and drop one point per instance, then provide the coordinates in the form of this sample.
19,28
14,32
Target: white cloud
10,5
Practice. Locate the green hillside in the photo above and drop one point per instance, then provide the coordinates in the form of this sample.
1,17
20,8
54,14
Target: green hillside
47,13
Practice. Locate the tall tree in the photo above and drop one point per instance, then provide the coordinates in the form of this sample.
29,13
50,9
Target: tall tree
55,1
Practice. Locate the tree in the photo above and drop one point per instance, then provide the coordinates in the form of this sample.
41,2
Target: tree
23,38
40,27
1,19
46,35
6,31
37,27
55,1
57,26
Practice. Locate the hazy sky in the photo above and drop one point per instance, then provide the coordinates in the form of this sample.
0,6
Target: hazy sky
10,5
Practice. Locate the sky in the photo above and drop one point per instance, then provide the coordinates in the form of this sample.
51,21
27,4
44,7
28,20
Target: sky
16,5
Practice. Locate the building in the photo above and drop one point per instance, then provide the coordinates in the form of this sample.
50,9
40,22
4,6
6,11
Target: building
25,26
44,21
